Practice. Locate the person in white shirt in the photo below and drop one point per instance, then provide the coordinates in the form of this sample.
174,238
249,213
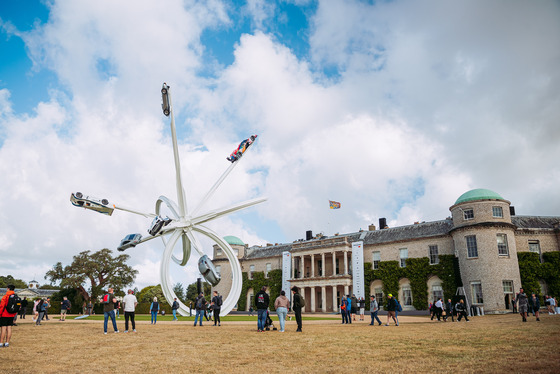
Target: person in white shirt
130,303
439,309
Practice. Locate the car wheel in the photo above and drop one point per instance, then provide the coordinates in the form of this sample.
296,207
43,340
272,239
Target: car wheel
166,112
104,201
164,91
79,195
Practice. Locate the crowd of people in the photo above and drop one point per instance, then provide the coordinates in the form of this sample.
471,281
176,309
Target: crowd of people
350,308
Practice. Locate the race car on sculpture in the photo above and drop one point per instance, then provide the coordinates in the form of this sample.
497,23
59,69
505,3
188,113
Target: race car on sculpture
208,270
241,148
92,203
157,224
129,241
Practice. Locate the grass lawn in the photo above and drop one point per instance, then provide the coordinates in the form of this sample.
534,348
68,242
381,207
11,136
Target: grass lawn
489,344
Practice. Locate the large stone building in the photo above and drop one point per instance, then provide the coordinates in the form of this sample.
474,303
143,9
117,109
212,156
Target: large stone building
483,236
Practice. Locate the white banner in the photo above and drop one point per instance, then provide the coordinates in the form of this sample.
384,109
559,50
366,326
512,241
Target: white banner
358,269
286,273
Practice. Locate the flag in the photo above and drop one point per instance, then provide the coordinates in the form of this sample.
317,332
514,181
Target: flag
334,204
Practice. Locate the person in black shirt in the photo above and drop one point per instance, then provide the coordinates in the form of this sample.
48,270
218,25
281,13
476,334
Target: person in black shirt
261,302
297,305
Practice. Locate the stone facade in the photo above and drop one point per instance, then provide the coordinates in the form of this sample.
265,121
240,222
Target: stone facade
481,232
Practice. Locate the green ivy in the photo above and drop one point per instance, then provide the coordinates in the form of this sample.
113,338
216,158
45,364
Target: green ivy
531,271
273,282
418,271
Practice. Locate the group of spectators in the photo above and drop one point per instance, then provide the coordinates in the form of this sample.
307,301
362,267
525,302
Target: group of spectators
282,306
458,309
350,306
210,311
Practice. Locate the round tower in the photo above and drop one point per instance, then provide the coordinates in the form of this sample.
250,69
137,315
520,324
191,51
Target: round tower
484,241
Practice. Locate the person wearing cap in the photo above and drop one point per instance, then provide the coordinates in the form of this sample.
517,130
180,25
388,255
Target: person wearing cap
391,310
297,304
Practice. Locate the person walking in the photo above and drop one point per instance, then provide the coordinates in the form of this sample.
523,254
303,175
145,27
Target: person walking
129,306
374,309
391,310
282,305
461,309
522,302
200,306
349,308
174,308
217,308
535,305
7,316
64,308
261,303
40,307
343,309
35,311
297,304
47,305
449,311
154,310
439,309
109,311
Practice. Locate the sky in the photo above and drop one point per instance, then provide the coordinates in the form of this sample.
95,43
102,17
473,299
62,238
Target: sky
392,108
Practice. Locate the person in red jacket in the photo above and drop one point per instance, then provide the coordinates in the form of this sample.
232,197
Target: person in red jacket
6,319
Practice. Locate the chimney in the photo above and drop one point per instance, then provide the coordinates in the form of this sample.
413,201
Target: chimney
371,227
511,210
308,235
382,223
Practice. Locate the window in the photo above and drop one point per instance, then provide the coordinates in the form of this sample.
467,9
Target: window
434,256
268,268
472,249
219,270
250,301
508,286
337,267
468,214
236,252
497,212
476,289
535,247
407,296
218,251
502,245
379,296
376,260
404,256
437,292
251,271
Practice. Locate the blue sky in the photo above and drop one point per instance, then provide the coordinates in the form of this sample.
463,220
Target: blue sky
393,108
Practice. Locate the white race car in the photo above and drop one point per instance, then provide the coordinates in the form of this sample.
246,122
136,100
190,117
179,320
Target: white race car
92,203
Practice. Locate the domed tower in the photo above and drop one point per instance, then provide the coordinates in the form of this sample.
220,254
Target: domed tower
484,241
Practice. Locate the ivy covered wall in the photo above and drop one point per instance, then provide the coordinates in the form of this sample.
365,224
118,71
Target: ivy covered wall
418,271
531,271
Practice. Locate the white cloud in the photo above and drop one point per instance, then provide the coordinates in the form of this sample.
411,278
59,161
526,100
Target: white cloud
431,100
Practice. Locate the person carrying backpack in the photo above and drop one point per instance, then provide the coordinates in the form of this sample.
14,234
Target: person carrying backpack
200,306
216,307
8,310
392,310
174,308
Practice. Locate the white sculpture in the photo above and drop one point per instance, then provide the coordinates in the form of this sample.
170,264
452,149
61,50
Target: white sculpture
183,225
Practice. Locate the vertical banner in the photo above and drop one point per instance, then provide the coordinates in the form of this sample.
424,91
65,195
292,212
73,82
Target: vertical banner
358,269
286,273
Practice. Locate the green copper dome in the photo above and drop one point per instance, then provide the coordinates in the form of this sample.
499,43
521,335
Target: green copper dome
478,194
233,240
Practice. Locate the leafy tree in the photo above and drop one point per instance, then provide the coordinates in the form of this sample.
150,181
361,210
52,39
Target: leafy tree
7,280
179,291
147,294
90,273
192,291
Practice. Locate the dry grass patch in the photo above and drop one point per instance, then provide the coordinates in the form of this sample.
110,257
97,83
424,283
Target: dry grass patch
491,344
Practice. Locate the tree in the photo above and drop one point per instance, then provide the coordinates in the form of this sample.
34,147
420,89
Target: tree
96,270
147,294
7,280
179,291
192,291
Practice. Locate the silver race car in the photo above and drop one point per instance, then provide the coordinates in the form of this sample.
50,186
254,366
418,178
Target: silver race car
92,203
208,270
129,241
